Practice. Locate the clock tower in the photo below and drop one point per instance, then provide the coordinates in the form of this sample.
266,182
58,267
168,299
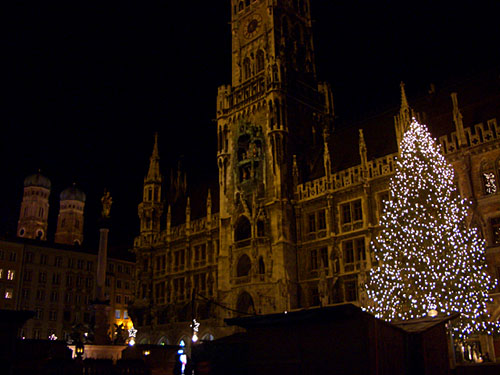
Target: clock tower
268,120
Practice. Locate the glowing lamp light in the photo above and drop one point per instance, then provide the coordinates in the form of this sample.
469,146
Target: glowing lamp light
432,313
196,327
146,352
79,349
131,342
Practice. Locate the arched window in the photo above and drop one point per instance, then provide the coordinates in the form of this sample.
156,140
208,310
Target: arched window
244,265
208,337
245,305
243,229
262,267
247,72
241,6
260,60
220,140
260,228
164,341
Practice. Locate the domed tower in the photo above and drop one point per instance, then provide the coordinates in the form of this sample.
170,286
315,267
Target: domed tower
70,219
33,218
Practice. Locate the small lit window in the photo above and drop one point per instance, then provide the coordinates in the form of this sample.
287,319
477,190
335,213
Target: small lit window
490,184
118,314
8,293
10,274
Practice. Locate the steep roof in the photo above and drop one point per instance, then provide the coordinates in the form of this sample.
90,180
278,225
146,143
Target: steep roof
478,101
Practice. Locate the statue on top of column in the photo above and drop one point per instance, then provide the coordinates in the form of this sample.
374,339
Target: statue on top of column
106,201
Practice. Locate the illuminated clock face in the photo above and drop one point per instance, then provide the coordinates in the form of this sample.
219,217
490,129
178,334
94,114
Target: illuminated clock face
252,26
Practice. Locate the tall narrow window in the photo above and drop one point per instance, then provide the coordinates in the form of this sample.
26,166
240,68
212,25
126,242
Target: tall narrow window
244,265
312,222
352,215
260,60
321,220
314,259
246,69
351,290
262,267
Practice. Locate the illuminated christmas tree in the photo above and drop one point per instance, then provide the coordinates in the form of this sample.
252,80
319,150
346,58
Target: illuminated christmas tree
429,259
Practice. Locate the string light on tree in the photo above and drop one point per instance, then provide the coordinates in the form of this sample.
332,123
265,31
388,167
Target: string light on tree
132,332
196,327
429,259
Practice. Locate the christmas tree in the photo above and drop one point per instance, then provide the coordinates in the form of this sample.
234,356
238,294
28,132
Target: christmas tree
429,259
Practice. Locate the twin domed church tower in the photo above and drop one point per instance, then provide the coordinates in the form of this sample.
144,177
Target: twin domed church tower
33,218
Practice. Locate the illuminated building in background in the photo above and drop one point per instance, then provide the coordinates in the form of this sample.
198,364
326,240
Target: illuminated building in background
70,219
33,218
58,280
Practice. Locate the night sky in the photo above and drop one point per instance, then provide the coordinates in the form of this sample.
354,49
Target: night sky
86,84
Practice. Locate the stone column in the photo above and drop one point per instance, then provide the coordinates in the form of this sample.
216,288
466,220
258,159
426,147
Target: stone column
101,304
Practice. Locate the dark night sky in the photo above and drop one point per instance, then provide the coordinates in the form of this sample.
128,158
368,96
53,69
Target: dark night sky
86,84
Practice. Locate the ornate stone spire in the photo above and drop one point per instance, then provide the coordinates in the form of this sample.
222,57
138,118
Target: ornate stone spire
209,206
188,212
326,156
295,171
458,121
363,154
169,219
403,119
154,164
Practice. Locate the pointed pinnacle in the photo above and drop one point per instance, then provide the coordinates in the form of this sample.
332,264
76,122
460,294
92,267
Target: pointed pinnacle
404,101
155,153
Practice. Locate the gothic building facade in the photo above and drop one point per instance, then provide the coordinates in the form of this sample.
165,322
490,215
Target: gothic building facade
297,202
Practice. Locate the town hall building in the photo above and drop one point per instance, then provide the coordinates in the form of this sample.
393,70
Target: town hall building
296,203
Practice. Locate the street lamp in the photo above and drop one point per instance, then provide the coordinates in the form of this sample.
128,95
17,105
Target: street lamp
196,327
79,349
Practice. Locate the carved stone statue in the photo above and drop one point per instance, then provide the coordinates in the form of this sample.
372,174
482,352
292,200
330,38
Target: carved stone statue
106,201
